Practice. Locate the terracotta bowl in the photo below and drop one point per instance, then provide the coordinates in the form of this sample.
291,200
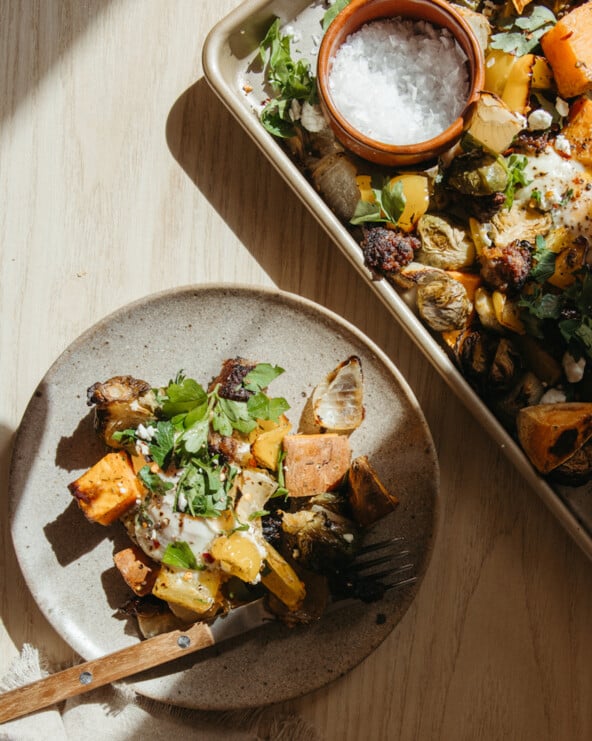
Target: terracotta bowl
356,14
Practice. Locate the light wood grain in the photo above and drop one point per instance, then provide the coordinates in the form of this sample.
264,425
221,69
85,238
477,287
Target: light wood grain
121,174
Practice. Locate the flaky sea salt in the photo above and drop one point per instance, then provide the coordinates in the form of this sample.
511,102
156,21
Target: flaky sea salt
400,81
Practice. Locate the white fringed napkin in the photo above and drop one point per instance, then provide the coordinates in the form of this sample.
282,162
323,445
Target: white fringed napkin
117,713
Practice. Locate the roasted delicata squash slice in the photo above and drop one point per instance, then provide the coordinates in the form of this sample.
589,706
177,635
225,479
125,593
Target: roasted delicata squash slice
551,433
238,555
108,489
281,579
267,444
197,591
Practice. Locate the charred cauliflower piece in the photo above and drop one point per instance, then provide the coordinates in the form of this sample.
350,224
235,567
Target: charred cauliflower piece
121,403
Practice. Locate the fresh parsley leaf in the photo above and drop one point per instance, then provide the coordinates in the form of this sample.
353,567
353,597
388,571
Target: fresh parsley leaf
261,376
388,206
202,488
332,12
152,481
180,555
260,406
195,437
542,305
544,261
521,35
231,415
183,397
367,212
290,80
163,443
125,437
276,118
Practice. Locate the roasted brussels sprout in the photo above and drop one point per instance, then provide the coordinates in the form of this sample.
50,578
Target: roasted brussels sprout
319,537
477,173
444,244
443,303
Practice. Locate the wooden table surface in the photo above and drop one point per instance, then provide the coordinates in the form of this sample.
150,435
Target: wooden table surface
121,174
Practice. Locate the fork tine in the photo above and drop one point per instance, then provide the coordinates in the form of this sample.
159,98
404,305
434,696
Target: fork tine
360,563
363,581
382,544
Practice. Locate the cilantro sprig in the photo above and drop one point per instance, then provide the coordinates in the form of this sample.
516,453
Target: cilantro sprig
521,35
571,309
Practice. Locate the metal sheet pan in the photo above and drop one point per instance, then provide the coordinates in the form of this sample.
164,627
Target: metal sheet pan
231,68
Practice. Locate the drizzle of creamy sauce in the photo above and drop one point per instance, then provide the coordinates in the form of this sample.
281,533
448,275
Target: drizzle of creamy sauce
565,188
170,527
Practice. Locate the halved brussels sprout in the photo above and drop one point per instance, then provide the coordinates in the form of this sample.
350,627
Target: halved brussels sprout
443,303
444,244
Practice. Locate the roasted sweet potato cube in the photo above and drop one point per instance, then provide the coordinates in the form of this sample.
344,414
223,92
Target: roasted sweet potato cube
314,464
108,489
138,570
578,130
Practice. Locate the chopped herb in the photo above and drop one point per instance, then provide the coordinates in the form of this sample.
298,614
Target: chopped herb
566,197
515,165
162,444
261,376
259,513
544,261
388,205
521,35
281,490
332,12
202,488
290,80
125,437
180,555
152,481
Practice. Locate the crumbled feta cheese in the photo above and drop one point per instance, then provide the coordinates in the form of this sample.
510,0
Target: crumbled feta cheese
348,537
181,502
539,120
312,118
574,369
553,396
562,145
145,433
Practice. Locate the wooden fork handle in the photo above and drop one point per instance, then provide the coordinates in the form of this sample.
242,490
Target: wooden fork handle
91,674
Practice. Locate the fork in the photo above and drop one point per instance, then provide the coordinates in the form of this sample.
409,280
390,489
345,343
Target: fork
359,581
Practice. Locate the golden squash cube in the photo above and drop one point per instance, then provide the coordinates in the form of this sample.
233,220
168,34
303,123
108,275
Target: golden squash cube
108,489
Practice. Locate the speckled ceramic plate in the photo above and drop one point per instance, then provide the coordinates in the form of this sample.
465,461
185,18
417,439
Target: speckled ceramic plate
67,561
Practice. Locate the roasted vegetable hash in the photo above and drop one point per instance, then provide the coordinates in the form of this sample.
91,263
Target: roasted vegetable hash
223,501
493,242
